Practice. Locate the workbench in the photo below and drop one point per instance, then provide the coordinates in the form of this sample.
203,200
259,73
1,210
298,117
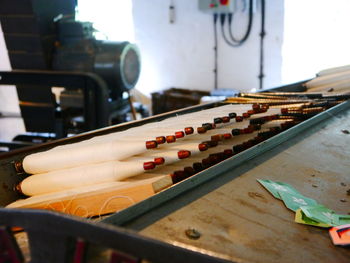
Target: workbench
237,219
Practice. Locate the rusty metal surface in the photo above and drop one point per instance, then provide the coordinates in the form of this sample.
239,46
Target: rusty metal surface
239,219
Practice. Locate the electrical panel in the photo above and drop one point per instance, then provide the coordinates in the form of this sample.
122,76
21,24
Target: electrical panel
216,6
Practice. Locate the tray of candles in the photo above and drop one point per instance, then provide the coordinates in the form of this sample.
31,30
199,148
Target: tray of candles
108,170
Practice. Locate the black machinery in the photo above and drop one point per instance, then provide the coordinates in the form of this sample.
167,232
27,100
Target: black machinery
118,63
44,36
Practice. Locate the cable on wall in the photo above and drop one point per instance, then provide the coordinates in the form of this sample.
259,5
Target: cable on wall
222,22
249,27
215,19
262,36
234,42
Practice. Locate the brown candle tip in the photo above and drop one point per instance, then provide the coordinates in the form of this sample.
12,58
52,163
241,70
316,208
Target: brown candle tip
178,176
211,143
228,152
206,162
216,137
189,170
19,167
201,130
284,110
17,188
197,166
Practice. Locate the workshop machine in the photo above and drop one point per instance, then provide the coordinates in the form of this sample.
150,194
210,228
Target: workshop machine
221,214
42,37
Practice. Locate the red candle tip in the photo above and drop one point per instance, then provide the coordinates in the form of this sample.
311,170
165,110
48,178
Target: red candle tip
149,165
216,137
179,134
246,115
225,119
159,160
151,144
170,138
248,130
227,136
189,130
239,118
256,106
161,139
183,154
202,147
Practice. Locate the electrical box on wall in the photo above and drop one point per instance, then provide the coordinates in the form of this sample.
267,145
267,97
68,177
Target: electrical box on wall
216,6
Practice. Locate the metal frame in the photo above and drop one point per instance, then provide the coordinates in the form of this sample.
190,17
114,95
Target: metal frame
95,90
49,233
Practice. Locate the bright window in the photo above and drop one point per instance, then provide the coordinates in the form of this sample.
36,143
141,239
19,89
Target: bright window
113,18
315,37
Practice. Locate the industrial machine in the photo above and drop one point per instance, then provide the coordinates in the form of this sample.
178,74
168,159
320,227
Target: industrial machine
220,214
42,37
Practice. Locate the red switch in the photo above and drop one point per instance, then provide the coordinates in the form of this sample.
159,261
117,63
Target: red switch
224,2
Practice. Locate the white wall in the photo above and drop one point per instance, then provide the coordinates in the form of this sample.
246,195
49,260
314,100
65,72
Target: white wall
181,54
9,127
8,94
